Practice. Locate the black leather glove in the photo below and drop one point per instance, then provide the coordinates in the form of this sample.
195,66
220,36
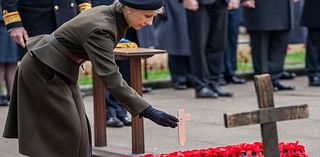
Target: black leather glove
160,117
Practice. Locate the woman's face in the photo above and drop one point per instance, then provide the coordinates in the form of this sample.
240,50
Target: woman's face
139,18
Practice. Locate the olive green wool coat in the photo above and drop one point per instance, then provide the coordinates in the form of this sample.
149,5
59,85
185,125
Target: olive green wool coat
46,113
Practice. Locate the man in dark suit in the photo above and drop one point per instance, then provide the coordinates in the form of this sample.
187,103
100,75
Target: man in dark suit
207,22
268,22
34,17
311,19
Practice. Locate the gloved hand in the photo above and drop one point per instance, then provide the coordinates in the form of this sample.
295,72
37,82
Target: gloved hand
160,117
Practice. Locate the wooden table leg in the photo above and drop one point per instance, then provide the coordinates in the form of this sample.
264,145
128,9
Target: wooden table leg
137,123
100,138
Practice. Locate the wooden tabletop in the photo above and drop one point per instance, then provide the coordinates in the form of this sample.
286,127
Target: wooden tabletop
135,52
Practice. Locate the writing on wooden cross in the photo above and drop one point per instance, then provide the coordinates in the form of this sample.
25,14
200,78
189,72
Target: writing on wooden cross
183,118
267,115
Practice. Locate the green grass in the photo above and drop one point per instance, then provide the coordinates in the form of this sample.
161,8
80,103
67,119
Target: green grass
293,60
85,80
157,74
244,66
152,75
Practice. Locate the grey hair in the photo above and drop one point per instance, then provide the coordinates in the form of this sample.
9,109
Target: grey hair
119,6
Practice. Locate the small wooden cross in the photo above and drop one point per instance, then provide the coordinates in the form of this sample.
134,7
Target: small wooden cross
267,115
183,118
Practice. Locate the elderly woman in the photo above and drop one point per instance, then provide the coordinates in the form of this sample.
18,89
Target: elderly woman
47,114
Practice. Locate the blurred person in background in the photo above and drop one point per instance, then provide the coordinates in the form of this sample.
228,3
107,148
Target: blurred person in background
28,18
297,35
229,66
311,19
172,35
207,28
101,2
268,23
9,56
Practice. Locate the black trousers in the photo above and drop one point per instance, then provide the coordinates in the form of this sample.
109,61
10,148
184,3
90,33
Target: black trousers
207,32
268,51
313,52
179,67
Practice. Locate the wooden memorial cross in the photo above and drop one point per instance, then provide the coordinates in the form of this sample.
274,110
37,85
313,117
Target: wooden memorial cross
183,118
134,55
267,115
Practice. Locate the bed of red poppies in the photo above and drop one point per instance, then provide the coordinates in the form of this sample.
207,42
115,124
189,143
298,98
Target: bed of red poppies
241,150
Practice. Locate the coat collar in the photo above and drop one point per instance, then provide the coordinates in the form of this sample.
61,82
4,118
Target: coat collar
122,24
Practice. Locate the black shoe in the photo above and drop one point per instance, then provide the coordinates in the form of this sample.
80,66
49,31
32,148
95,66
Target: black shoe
277,86
126,121
217,89
4,100
180,86
4,104
206,92
189,84
114,122
287,75
235,80
314,81
146,89
222,81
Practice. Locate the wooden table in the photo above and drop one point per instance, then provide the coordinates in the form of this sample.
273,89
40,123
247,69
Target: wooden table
134,55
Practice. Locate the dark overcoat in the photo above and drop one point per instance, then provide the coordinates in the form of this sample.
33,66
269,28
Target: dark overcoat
298,34
270,15
311,12
172,30
41,16
46,113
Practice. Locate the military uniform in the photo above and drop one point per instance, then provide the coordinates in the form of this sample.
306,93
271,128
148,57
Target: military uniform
41,16
46,111
9,55
8,49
